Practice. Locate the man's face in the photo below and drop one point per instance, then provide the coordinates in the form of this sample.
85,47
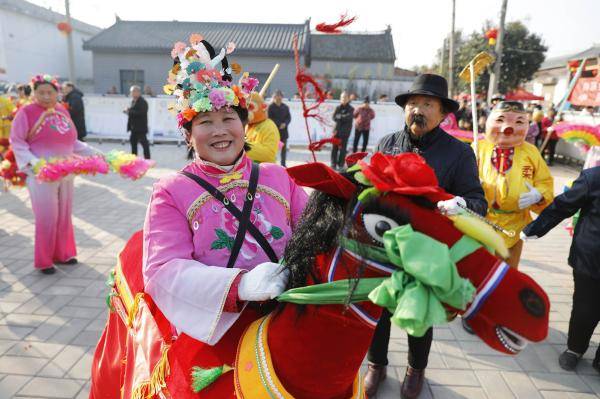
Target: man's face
506,129
277,98
66,89
423,114
135,93
344,98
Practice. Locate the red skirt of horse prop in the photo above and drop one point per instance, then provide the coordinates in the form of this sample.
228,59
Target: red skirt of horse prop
315,350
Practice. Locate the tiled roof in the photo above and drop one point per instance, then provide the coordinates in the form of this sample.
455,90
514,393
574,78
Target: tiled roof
32,10
558,62
375,47
159,36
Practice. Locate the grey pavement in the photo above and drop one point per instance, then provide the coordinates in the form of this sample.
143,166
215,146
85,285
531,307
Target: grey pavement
49,325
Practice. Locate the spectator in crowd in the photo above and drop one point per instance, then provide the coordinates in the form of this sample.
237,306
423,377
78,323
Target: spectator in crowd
24,92
148,91
279,113
547,129
137,121
363,116
383,98
342,117
584,258
112,90
535,119
73,98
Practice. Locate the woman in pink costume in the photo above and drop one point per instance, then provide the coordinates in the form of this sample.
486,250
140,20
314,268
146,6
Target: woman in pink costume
44,129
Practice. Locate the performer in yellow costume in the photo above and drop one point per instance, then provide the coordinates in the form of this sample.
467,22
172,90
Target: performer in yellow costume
262,133
514,176
6,113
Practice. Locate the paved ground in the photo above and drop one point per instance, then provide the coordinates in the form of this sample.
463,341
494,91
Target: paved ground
49,325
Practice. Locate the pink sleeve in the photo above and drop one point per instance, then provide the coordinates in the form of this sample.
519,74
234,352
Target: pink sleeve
298,200
191,295
83,149
18,140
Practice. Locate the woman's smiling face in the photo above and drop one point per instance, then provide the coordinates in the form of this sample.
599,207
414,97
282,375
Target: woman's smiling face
217,136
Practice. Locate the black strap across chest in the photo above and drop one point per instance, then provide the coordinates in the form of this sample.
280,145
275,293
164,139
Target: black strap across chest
243,216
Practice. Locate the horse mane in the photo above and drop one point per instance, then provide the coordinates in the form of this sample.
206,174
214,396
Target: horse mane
317,232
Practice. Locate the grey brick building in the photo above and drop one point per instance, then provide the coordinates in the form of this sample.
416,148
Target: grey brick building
137,52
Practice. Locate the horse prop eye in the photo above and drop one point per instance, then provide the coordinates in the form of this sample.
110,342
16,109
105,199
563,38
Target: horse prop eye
532,302
376,225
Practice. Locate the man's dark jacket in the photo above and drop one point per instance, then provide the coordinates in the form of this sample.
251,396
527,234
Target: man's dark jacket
343,117
452,160
138,116
584,194
280,114
75,102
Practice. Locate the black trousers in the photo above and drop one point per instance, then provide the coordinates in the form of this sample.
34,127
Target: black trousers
338,153
357,135
283,151
142,138
585,314
418,347
551,150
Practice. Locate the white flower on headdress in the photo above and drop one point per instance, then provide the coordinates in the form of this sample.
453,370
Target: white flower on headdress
230,47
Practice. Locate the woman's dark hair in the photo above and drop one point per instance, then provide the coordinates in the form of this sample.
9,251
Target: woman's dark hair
38,84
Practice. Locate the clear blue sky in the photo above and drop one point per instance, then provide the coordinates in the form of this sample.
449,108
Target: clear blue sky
418,26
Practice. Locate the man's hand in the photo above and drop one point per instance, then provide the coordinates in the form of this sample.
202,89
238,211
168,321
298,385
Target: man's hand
452,206
282,126
532,197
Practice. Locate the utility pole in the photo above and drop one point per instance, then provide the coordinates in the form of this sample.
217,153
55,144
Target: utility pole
442,58
495,76
451,53
70,53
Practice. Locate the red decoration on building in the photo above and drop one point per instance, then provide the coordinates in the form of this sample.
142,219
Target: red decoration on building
64,27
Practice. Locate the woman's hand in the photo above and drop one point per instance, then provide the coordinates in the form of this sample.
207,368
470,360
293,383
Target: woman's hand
266,281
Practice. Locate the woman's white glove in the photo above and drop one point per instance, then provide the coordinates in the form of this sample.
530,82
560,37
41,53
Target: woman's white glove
266,281
525,237
452,206
532,197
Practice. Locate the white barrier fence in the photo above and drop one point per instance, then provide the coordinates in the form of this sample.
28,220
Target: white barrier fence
105,119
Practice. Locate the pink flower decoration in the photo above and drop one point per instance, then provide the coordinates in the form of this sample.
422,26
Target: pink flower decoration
217,98
180,119
249,84
177,48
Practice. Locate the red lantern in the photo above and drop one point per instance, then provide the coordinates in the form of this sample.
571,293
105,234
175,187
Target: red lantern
64,27
491,35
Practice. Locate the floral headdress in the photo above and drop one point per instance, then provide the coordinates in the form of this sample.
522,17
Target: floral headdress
45,79
201,80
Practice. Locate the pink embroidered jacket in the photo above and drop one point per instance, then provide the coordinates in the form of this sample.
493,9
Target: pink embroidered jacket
53,136
188,236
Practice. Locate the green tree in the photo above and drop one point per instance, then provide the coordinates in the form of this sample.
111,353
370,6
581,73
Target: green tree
524,52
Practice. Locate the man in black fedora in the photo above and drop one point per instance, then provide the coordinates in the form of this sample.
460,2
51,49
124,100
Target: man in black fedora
426,105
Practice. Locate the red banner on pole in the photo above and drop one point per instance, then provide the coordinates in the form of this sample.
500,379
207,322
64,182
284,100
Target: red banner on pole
586,92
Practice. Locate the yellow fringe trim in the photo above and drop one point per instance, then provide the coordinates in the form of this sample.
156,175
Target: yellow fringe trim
156,384
134,308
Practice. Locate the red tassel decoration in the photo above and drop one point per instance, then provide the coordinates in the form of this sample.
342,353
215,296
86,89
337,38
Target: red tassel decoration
335,28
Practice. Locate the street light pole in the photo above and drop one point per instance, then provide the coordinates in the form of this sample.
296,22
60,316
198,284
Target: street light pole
70,53
451,53
495,76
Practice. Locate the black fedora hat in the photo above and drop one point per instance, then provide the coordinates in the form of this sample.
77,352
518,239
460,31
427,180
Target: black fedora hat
429,84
